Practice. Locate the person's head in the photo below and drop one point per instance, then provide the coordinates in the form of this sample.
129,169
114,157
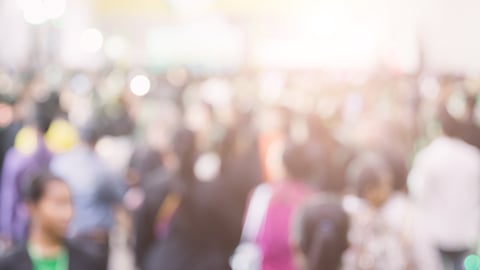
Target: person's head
320,234
49,203
183,154
447,122
296,161
90,132
39,116
143,162
370,178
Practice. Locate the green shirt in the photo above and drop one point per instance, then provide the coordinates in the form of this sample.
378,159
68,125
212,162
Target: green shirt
59,262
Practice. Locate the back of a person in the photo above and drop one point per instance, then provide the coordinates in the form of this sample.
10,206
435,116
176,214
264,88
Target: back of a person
375,244
84,173
201,235
273,239
319,234
448,172
19,164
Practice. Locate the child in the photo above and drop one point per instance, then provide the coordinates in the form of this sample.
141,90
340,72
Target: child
374,243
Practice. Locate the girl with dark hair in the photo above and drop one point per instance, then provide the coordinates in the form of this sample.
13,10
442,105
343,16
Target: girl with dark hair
320,234
50,208
375,243
193,223
163,194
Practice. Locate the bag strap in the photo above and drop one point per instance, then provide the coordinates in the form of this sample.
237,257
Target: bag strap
165,213
256,212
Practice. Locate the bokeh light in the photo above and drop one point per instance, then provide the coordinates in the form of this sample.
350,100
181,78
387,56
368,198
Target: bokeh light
140,85
472,262
35,14
39,11
91,40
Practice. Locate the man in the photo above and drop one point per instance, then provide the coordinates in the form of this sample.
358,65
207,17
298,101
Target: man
50,208
445,185
95,190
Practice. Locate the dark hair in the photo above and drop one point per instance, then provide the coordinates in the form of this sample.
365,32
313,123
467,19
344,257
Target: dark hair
365,173
323,227
185,148
37,186
398,165
447,123
91,131
40,116
145,160
297,161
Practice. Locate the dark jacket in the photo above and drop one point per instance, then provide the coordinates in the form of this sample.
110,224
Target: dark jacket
19,259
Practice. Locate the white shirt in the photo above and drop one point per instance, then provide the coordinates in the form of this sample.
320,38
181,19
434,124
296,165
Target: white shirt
445,185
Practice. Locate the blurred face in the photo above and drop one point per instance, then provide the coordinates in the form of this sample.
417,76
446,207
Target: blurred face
6,115
54,210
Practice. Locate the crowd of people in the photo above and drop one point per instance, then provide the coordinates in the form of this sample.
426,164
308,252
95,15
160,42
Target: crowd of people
274,171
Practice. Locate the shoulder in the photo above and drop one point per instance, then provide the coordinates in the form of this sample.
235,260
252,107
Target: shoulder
80,257
11,259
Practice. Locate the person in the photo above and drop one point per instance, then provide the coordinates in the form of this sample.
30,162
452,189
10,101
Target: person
331,156
287,196
50,209
320,233
448,170
9,126
28,155
374,243
97,193
145,175
464,127
194,224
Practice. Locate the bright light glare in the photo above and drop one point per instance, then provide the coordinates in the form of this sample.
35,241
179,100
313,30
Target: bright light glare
91,40
331,40
38,11
35,13
54,8
140,85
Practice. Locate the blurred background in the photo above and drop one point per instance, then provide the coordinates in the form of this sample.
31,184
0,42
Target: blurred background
247,79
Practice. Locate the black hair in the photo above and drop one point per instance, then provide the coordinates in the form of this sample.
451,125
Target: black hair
185,148
323,229
39,116
37,186
145,160
365,173
91,131
297,161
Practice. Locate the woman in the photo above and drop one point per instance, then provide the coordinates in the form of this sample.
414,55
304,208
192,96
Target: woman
193,224
50,208
320,234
